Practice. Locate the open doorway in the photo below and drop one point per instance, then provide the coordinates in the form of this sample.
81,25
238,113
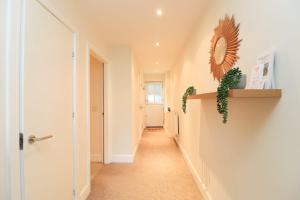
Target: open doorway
96,114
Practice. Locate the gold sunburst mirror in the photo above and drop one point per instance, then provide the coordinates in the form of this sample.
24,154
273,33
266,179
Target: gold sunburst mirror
224,46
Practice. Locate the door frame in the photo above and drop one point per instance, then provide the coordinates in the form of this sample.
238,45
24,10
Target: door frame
11,101
106,136
14,63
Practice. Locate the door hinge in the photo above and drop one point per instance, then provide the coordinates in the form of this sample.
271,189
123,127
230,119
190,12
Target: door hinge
73,115
21,141
73,54
74,193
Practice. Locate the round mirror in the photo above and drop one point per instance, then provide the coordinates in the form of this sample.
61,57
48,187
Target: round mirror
224,46
220,50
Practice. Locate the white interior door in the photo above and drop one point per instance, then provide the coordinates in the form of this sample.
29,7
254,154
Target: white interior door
47,106
154,108
96,112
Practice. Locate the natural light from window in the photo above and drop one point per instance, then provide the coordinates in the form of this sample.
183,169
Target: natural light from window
154,93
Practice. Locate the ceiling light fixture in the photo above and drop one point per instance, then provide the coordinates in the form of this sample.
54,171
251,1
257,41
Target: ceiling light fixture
157,44
159,12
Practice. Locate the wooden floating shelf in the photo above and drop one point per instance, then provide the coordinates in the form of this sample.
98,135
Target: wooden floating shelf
242,93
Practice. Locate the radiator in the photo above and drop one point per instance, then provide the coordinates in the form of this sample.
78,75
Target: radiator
172,123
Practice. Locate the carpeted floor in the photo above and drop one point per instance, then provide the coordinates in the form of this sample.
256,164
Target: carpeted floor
158,173
95,168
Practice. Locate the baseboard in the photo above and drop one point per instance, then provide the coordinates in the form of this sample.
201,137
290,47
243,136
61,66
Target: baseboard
201,186
96,158
85,192
127,158
122,158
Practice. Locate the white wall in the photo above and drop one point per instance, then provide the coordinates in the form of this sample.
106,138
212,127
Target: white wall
169,91
137,104
125,108
154,77
255,155
171,118
121,99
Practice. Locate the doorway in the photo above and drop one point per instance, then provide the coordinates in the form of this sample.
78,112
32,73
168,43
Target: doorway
96,114
154,109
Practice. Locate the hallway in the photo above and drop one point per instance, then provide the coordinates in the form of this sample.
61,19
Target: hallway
158,173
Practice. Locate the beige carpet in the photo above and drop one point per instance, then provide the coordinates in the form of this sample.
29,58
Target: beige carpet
95,168
158,173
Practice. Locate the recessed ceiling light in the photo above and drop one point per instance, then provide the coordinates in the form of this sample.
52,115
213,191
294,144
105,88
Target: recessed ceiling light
159,12
157,44
156,63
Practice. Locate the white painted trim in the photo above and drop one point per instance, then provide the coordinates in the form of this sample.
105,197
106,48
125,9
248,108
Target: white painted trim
107,138
96,158
127,158
84,193
201,186
122,158
21,95
100,55
88,128
13,16
75,141
50,8
107,120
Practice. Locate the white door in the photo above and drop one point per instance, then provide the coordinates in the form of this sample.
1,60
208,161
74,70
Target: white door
154,109
46,106
96,101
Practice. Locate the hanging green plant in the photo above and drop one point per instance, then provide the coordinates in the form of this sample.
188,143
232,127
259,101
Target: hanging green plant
187,93
230,80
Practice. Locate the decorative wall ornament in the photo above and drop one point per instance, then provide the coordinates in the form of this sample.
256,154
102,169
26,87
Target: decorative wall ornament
229,81
189,91
224,46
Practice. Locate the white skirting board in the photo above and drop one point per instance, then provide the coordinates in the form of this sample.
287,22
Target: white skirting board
126,158
122,158
84,193
203,189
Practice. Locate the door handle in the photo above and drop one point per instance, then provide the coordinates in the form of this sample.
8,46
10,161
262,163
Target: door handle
32,139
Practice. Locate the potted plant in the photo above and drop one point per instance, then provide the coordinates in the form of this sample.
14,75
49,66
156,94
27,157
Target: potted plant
229,81
189,91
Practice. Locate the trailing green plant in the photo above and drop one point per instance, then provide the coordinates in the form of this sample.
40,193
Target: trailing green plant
230,80
189,91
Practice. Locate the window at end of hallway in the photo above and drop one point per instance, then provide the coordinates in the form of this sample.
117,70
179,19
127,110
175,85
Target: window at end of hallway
154,93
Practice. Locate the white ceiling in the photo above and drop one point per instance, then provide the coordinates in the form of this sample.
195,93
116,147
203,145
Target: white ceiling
135,23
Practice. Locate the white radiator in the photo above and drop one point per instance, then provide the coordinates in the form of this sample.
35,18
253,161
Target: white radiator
172,123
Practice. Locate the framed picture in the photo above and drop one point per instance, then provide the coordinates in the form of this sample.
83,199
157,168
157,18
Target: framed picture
266,64
256,79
